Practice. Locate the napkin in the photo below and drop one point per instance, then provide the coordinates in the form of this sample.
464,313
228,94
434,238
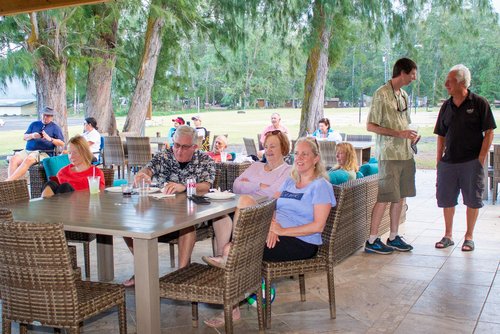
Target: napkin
161,195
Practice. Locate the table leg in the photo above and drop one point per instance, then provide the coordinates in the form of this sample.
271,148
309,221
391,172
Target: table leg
105,262
147,286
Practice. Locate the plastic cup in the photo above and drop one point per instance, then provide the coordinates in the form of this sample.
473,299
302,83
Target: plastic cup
94,184
143,189
127,189
223,156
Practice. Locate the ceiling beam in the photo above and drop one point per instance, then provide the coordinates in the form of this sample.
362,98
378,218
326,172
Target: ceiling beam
13,7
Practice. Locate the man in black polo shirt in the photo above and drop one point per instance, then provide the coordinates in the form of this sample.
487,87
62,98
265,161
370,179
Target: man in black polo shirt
465,131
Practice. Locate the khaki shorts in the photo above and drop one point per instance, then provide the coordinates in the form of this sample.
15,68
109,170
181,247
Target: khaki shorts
396,180
37,155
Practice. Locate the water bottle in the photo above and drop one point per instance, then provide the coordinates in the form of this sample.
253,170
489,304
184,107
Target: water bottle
191,186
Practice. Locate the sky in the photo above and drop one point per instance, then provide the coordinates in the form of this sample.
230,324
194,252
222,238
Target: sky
496,5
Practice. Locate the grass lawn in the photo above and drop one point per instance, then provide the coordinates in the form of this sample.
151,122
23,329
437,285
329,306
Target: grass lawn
248,124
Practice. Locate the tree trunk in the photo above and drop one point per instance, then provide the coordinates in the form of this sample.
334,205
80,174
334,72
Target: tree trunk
145,77
50,65
314,84
98,102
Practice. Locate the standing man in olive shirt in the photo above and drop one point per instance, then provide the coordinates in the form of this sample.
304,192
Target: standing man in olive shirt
389,118
465,131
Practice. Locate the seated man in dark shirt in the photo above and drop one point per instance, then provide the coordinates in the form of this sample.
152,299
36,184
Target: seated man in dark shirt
42,137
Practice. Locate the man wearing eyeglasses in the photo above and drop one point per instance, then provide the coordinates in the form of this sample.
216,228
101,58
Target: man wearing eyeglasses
41,137
172,168
389,118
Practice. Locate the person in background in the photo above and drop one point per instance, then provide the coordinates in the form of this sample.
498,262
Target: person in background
202,133
74,176
346,159
464,127
41,137
275,125
302,209
177,122
172,168
259,179
325,132
220,145
92,136
389,118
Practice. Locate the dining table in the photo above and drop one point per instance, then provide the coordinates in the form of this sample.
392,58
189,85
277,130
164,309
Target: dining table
143,218
363,150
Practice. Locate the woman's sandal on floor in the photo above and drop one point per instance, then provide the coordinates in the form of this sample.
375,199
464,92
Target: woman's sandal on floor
445,242
468,246
215,261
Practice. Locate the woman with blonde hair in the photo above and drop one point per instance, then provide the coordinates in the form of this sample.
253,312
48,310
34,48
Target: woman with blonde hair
302,208
74,176
346,159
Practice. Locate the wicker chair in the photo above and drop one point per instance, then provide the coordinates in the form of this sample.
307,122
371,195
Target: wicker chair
358,138
259,143
494,174
323,261
38,178
201,283
250,146
113,153
13,191
37,282
139,151
328,150
225,174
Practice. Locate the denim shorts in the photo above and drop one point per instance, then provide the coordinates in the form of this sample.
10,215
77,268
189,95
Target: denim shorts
467,177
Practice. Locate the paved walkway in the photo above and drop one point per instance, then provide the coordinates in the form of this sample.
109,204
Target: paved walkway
424,291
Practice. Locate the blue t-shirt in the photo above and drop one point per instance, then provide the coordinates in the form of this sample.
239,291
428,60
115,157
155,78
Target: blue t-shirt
295,207
40,144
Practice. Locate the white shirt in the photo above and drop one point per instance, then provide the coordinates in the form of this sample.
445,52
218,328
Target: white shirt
95,137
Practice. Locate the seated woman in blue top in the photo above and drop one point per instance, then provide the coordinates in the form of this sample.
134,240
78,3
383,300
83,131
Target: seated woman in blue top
325,132
304,203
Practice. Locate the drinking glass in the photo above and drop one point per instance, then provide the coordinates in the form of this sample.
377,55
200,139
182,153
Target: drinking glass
143,188
94,184
127,189
223,156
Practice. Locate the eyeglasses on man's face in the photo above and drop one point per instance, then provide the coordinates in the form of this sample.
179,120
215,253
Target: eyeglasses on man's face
178,146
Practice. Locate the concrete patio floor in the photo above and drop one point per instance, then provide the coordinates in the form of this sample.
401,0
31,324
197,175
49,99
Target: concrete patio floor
427,290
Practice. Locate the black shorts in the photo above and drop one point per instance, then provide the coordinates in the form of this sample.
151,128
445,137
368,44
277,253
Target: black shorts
290,249
467,177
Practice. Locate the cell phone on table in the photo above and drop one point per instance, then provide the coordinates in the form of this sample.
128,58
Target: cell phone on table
199,200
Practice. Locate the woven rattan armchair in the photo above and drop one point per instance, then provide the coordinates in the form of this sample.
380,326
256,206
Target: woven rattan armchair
328,150
323,261
494,174
13,191
37,282
139,151
113,153
38,178
201,283
250,146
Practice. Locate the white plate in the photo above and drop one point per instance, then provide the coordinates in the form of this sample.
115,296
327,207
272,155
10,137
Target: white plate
119,190
219,195
114,189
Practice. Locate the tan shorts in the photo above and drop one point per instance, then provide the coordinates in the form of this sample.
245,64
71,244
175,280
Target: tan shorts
396,180
37,155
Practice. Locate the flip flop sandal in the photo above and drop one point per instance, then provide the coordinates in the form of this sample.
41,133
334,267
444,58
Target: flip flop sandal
215,261
468,246
444,243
